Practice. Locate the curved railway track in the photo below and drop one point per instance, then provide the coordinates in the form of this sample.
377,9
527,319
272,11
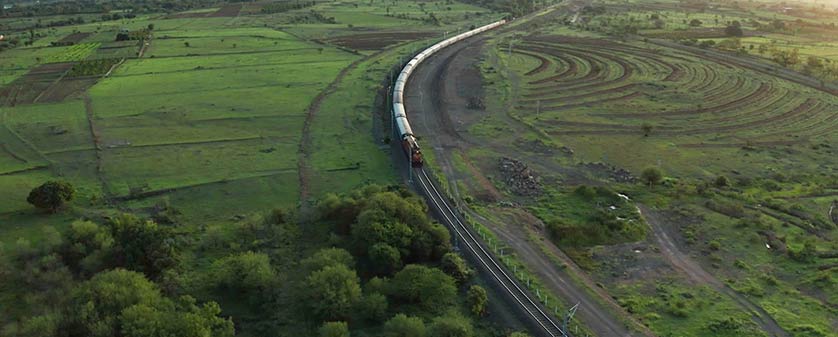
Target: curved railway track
539,317
542,323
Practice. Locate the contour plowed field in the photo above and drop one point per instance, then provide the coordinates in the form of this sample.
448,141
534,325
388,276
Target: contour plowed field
588,86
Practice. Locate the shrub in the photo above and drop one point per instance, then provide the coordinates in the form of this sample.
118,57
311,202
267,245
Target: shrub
51,195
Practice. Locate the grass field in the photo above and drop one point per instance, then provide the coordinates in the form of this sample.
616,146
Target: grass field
210,119
223,114
574,104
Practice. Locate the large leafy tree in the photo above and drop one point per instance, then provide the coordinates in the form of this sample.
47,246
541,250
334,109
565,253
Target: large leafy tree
334,329
454,265
244,271
451,325
427,288
143,246
404,326
124,303
332,291
87,247
51,195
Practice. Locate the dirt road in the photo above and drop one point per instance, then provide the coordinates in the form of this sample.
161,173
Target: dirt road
441,87
697,274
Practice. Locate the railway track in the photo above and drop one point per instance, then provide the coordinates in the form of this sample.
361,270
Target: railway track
538,316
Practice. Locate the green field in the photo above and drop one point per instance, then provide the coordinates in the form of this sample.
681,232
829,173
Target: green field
222,114
586,104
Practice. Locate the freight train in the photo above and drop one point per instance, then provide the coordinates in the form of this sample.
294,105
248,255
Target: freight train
409,143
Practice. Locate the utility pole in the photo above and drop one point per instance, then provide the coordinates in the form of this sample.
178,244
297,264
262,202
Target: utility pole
568,317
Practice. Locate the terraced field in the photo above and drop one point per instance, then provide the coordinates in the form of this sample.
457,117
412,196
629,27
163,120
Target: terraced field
592,87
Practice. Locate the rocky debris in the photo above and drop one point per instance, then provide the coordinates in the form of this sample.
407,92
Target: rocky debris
520,178
476,103
617,174
539,146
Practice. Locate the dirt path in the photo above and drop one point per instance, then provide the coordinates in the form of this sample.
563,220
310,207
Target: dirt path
305,149
689,267
97,144
436,103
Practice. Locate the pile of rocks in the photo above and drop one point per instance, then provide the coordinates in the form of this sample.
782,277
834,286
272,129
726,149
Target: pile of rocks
617,174
520,178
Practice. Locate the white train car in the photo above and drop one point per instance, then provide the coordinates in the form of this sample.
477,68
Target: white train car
411,147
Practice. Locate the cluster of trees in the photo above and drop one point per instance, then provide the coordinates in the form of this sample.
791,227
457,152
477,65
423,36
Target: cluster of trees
392,265
92,67
313,16
384,268
93,7
281,7
97,280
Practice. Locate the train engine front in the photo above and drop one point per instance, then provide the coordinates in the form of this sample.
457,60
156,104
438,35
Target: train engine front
409,143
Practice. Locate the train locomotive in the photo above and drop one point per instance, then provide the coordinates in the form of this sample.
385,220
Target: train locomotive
408,139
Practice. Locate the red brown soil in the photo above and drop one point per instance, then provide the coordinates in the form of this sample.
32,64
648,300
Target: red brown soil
226,11
66,88
74,38
28,88
377,40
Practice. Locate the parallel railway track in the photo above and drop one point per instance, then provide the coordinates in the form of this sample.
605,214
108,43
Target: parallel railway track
539,317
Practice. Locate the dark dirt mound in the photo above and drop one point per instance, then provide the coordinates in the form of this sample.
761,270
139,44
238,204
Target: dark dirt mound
520,178
377,40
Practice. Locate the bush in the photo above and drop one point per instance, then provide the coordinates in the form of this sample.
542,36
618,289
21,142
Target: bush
52,195
652,176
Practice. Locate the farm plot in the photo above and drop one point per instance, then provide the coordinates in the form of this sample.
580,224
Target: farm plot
217,125
30,87
75,52
377,40
587,90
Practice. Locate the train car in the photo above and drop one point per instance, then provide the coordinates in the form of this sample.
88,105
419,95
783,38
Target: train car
405,133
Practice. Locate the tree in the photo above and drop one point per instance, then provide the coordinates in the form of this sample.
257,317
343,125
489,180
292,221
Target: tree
327,257
99,302
246,273
150,26
334,329
143,246
385,259
451,325
180,318
454,265
733,30
659,24
186,44
373,307
404,326
519,334
695,23
646,128
428,288
51,195
721,181
652,176
477,299
86,248
332,291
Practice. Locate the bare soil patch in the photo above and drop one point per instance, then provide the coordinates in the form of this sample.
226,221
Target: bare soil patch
377,40
66,88
226,11
73,38
28,88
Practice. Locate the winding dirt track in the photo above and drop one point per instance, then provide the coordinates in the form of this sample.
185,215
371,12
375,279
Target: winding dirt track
697,274
437,88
